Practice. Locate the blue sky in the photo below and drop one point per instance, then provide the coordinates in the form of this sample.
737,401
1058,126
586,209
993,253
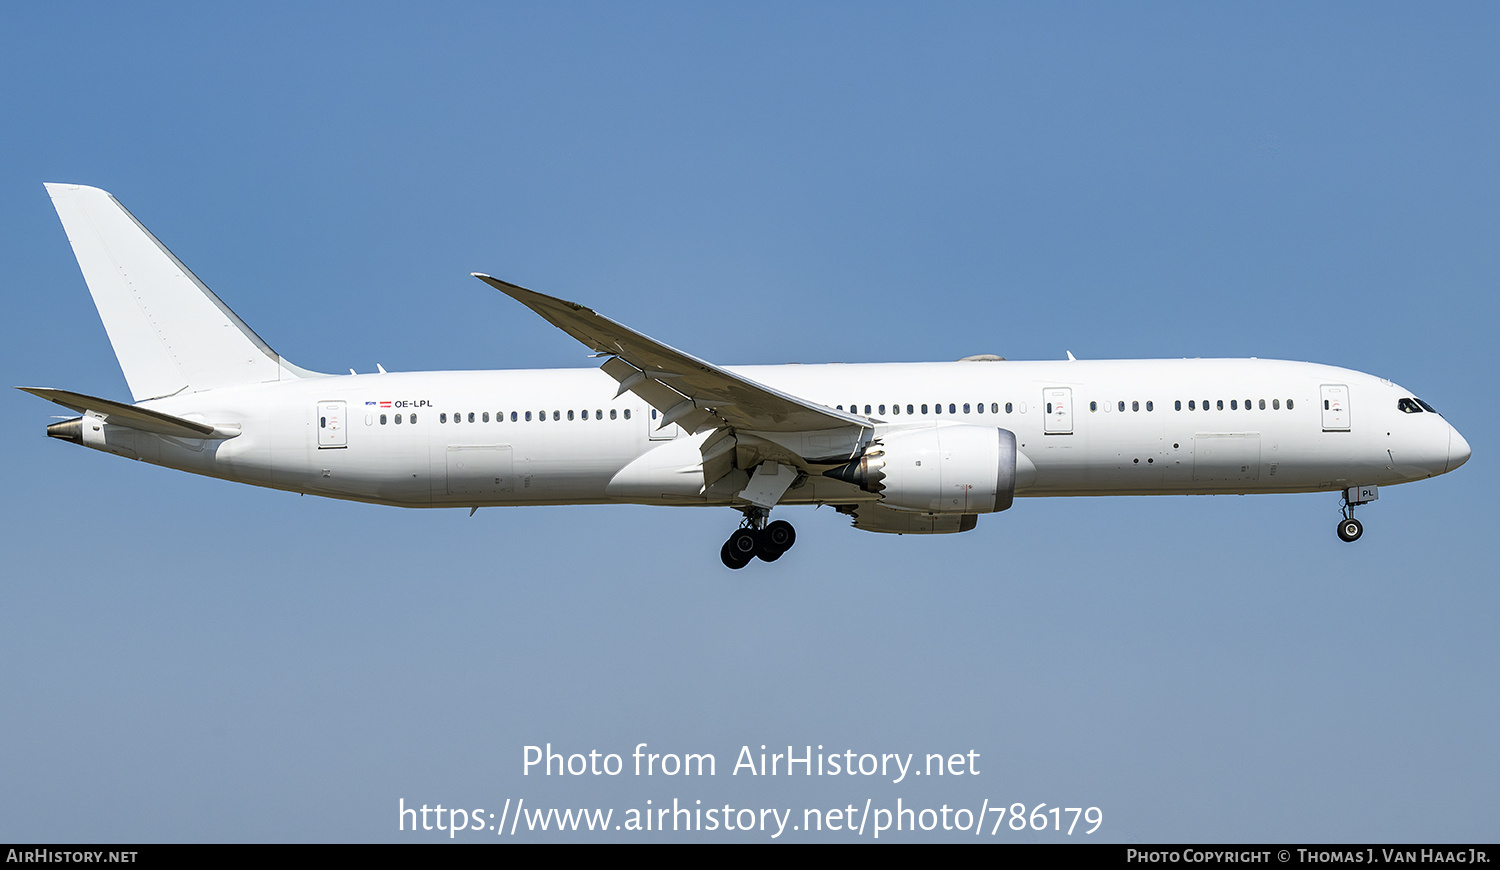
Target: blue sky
184,659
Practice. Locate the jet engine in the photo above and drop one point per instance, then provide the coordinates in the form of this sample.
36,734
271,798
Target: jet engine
948,469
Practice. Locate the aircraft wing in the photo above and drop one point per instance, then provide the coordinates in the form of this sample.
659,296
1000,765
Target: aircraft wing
688,391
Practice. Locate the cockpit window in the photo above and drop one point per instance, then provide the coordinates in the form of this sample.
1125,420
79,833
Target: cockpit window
1408,406
1426,407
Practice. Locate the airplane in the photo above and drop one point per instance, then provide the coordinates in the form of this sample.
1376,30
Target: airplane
901,448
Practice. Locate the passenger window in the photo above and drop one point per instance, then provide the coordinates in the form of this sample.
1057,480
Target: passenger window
627,413
398,420
570,413
442,418
412,420
896,410
1234,405
382,419
1262,404
471,416
938,409
952,408
1192,405
995,408
1289,404
867,410
1179,405
909,410
1135,406
1150,406
1221,404
1205,404
1122,405
882,409
612,413
486,416
924,409
1008,407
528,416
1275,404
557,415
513,416
1094,406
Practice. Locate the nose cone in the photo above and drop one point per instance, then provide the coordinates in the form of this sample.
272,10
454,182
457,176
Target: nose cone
1458,449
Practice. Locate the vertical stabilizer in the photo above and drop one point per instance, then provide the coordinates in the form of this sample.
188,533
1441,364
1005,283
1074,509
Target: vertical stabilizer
170,333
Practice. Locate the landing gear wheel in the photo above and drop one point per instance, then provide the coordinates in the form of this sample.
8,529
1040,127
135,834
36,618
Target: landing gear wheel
780,536
730,559
743,544
1350,529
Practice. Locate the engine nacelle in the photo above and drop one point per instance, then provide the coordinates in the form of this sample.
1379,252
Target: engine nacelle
938,468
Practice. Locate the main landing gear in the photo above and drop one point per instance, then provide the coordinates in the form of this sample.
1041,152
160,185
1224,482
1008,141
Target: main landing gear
1349,528
757,538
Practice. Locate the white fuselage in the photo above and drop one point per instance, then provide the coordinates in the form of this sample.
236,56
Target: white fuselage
561,436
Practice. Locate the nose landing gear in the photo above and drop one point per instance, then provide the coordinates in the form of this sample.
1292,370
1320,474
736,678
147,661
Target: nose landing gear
1349,528
757,539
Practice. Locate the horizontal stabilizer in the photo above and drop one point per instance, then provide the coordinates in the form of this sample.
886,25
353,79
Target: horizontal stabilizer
120,414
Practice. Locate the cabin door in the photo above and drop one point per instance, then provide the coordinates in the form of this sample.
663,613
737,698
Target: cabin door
1058,404
666,433
332,422
1335,408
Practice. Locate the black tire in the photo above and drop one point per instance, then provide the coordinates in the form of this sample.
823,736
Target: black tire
779,536
1350,530
744,544
730,560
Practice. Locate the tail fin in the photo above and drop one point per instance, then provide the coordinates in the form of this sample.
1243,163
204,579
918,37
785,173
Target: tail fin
170,332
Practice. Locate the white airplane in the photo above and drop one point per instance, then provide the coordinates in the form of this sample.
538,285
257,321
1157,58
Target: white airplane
903,448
